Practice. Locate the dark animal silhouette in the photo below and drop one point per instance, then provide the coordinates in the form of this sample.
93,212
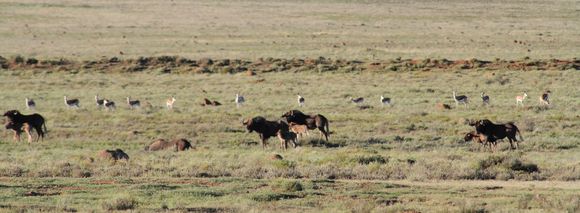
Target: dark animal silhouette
265,128
311,121
115,155
181,144
285,137
35,121
498,131
481,139
207,102
18,129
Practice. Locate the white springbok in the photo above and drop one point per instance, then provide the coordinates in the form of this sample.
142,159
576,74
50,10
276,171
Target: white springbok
460,99
239,100
71,103
520,99
30,103
169,103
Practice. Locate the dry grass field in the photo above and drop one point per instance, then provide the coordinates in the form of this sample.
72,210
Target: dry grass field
408,157
456,29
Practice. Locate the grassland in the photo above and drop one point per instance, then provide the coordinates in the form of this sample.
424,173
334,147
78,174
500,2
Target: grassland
411,141
407,157
456,29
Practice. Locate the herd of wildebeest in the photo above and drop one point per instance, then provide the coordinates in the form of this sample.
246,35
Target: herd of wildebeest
288,129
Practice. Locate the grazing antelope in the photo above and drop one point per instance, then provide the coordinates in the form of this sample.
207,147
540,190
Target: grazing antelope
98,101
72,102
460,99
109,105
30,103
133,104
545,98
169,103
239,100
358,100
300,101
485,98
520,99
385,101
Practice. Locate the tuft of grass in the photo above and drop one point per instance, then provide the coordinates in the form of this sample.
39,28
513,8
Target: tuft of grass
268,197
120,204
287,186
371,159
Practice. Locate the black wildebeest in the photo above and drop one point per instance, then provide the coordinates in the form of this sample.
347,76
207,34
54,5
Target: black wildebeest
498,131
35,121
265,128
311,121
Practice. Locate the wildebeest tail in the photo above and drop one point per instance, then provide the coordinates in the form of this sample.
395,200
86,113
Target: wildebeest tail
44,127
328,127
327,124
517,131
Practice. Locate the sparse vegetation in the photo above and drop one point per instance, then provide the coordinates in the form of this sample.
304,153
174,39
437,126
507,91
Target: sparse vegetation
408,157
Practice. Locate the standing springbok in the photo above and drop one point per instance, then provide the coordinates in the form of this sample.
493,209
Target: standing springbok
72,102
385,101
520,99
133,104
109,105
460,99
169,103
300,101
545,98
485,98
98,101
30,103
239,100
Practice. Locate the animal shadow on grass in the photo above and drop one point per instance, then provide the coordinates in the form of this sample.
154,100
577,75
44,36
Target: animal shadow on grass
322,143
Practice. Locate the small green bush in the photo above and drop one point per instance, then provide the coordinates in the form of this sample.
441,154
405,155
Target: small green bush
287,186
120,204
371,159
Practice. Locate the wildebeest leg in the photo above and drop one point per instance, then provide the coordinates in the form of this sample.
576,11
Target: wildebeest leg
294,142
515,141
511,143
323,132
27,130
263,141
39,133
17,135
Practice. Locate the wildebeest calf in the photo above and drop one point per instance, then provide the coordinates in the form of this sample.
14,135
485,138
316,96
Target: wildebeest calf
311,121
285,137
18,129
300,130
481,139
